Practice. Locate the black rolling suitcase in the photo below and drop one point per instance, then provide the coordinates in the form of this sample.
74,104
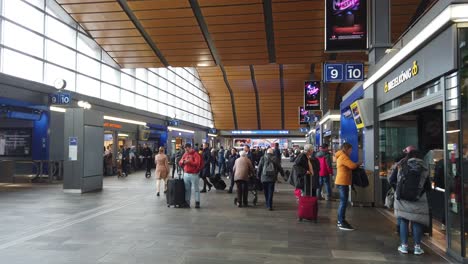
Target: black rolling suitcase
175,193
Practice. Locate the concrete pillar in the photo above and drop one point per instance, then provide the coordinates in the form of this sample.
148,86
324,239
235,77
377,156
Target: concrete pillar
83,174
380,30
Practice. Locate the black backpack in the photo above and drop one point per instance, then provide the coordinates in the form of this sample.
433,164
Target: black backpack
360,178
410,186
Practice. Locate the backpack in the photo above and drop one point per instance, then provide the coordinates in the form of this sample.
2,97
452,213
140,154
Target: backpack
360,178
410,185
268,168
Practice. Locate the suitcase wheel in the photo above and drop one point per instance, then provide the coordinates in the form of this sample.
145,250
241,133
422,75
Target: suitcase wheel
254,201
169,206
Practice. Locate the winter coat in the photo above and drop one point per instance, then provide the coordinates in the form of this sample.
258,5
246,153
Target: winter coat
231,161
277,153
221,156
344,167
192,162
325,168
417,211
206,156
162,166
278,168
242,169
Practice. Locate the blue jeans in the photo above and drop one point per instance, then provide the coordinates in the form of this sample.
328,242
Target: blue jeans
417,232
213,168
324,180
221,167
189,180
268,190
344,195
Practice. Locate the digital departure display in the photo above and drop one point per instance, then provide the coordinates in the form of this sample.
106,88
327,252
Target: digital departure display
312,95
346,25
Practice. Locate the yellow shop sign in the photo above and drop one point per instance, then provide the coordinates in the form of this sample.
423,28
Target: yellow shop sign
403,77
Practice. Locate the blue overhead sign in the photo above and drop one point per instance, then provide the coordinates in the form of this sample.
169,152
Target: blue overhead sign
343,72
60,99
260,132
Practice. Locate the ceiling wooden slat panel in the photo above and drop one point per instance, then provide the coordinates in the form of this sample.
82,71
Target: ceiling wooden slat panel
269,93
204,3
160,4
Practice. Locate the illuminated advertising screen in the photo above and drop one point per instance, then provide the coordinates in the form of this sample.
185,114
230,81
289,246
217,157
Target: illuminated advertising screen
346,25
304,117
357,115
312,95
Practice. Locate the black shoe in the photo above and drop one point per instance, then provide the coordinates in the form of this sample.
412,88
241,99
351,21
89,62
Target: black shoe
270,209
230,191
239,205
157,194
165,191
197,205
344,226
203,191
209,187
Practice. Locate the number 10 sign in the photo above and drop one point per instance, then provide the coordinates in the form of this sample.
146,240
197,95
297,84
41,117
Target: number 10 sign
343,72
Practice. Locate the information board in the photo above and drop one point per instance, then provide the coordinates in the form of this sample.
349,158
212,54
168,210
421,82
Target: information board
15,142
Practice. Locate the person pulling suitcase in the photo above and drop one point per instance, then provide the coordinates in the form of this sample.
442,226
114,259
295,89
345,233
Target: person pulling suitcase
308,201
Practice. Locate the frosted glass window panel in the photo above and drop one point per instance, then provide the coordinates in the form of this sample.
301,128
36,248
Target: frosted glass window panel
108,60
141,102
60,55
21,66
88,47
110,93
163,84
152,106
162,109
21,39
152,93
162,72
24,14
128,82
162,96
141,74
37,3
60,32
171,76
127,98
54,73
179,92
179,103
152,78
179,81
88,86
141,88
89,66
129,71
170,111
110,75
170,100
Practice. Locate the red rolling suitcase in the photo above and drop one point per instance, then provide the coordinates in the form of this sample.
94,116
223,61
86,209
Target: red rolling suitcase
308,205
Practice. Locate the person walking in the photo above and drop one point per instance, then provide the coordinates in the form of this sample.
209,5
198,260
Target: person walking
191,163
147,155
205,172
162,169
268,169
411,204
125,160
213,162
221,161
242,170
344,167
230,165
325,174
277,152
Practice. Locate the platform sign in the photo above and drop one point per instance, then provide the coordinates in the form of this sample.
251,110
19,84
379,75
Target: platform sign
60,99
343,72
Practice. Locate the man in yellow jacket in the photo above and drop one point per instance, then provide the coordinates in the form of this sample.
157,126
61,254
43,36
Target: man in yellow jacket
344,166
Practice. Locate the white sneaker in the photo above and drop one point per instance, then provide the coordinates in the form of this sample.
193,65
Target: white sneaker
418,250
404,249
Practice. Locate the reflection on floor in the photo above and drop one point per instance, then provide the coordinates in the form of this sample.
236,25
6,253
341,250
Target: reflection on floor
127,223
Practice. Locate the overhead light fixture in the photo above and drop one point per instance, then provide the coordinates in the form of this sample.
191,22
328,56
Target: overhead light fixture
122,135
170,128
298,141
452,131
124,120
57,109
330,117
84,104
173,141
212,135
455,13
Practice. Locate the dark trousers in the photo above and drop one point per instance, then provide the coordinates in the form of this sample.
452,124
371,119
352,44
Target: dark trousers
205,183
268,190
242,192
173,169
148,165
232,181
124,166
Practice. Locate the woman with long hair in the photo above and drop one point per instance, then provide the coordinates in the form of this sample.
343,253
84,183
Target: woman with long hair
162,169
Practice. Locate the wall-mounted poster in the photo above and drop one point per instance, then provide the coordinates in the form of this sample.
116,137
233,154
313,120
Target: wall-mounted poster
357,115
346,25
241,142
15,142
312,95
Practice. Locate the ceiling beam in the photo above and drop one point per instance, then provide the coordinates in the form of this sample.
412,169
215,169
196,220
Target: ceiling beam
282,94
214,53
270,34
257,100
144,34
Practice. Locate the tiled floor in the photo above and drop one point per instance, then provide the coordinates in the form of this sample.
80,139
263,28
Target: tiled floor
127,223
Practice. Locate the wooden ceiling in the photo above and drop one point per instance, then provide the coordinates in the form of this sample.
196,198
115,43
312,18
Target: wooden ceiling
252,55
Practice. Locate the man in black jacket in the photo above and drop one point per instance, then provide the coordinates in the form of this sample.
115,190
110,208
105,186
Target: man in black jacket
205,172
230,165
147,155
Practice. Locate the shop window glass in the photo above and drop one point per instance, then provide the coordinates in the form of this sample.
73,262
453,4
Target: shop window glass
53,73
127,98
141,88
110,93
141,102
24,14
88,46
21,66
404,99
60,55
88,86
386,107
110,75
60,32
23,40
89,66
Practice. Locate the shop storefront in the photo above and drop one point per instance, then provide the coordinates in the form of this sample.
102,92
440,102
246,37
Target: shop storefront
423,102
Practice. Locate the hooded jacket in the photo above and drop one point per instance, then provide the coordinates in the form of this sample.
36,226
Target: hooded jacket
192,162
278,168
325,168
344,167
